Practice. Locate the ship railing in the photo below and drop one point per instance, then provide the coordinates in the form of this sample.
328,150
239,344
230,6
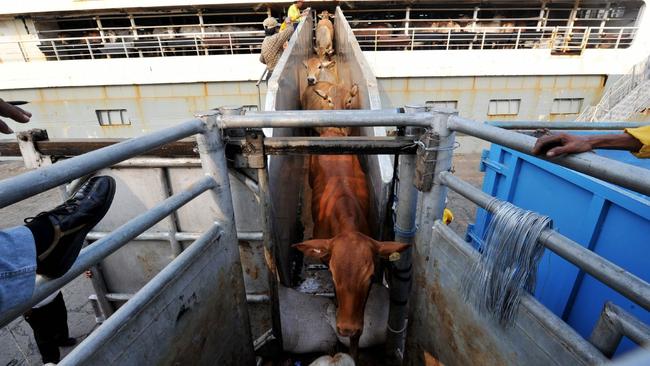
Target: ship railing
431,137
616,92
557,39
133,46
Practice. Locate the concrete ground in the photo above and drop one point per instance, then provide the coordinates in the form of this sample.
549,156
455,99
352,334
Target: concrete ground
17,346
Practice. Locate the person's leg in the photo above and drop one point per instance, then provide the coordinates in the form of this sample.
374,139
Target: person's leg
59,319
50,242
17,266
41,320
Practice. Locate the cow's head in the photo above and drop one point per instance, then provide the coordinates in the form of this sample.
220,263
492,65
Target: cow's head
351,258
325,14
336,96
314,68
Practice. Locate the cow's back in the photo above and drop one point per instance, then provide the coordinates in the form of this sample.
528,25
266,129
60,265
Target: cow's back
340,197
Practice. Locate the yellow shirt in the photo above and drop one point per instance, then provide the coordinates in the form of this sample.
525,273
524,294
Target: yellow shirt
642,134
294,15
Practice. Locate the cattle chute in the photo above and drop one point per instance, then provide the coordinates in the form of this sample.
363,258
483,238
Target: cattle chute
198,323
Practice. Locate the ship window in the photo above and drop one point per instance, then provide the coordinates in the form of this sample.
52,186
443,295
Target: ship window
448,104
566,105
112,117
503,107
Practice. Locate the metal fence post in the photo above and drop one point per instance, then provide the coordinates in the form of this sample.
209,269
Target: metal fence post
212,150
400,279
434,156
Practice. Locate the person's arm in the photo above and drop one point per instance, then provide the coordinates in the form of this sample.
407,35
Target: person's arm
11,111
277,40
555,145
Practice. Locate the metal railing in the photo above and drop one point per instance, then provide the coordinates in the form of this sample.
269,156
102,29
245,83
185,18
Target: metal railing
618,91
212,153
222,233
557,39
133,46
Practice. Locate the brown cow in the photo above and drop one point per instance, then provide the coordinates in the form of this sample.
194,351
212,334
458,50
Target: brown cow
324,36
327,96
340,201
319,70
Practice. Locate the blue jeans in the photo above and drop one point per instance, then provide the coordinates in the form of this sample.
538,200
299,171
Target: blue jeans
17,266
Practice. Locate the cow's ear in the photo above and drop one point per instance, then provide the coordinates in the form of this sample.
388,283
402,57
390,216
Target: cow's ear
354,90
316,248
386,248
321,93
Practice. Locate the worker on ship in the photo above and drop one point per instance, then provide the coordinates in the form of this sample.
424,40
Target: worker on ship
635,140
295,14
272,46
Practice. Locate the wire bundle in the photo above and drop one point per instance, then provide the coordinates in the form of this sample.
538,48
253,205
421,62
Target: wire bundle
510,255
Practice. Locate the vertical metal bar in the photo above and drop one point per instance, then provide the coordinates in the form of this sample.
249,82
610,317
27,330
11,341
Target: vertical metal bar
270,252
99,286
412,39
375,40
212,151
432,203
483,40
401,271
618,39
232,52
22,51
542,11
196,45
162,51
448,38
100,28
176,247
585,38
90,50
613,324
56,53
126,52
407,17
518,37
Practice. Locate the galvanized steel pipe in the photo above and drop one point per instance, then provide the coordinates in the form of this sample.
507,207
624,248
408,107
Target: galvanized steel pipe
570,125
142,298
624,175
613,324
102,248
26,185
180,236
607,272
308,119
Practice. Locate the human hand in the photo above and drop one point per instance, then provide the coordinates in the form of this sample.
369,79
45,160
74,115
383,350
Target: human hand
11,111
555,145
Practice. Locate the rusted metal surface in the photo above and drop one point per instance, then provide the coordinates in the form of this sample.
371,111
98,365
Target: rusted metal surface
288,145
449,328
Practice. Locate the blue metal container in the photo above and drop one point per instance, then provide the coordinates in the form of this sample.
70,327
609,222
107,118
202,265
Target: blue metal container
607,219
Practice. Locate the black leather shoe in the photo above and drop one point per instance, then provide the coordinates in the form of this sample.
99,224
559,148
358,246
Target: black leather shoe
71,222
